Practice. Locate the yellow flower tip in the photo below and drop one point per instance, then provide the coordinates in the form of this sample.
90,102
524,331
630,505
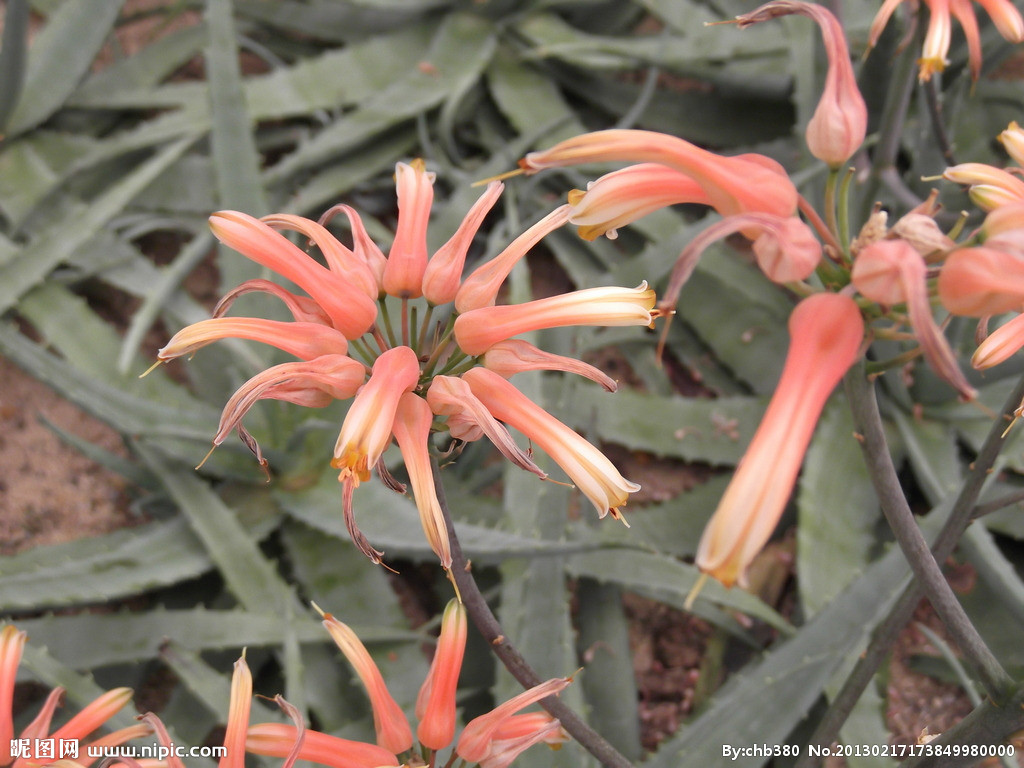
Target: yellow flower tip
929,67
575,196
151,368
209,453
500,176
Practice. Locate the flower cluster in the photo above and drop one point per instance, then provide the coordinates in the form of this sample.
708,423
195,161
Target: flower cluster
492,740
445,357
20,751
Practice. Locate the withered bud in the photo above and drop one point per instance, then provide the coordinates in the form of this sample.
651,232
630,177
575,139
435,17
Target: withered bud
924,235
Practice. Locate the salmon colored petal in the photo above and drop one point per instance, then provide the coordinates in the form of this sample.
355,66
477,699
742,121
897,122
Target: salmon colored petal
12,642
304,340
982,281
481,288
366,431
732,184
393,733
277,740
443,275
1000,345
478,330
407,259
435,705
412,433
589,469
351,311
826,331
469,419
892,272
334,377
303,308
476,742
94,715
340,259
512,356
620,198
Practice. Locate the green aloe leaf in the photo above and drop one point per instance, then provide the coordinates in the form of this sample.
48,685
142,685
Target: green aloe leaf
60,240
249,575
59,58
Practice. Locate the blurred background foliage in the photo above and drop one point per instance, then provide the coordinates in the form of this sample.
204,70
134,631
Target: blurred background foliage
126,123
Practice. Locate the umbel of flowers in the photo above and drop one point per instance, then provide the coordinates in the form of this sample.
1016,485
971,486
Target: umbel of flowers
492,740
413,344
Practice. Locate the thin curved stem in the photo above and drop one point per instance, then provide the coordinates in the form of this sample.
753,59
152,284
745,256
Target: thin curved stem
487,624
864,405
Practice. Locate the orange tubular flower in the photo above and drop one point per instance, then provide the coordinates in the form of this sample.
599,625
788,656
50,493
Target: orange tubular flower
892,272
588,468
520,732
412,433
366,432
512,356
435,705
982,281
278,740
989,187
238,716
826,331
732,184
620,198
477,744
393,733
407,261
469,420
443,275
1012,140
492,740
837,128
339,337
1000,345
480,329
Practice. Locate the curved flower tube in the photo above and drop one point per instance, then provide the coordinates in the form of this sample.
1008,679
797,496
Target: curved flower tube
304,340
480,288
982,281
412,433
732,184
278,740
512,356
477,742
435,704
826,331
589,469
443,275
1000,345
480,329
393,732
407,259
621,197
469,420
